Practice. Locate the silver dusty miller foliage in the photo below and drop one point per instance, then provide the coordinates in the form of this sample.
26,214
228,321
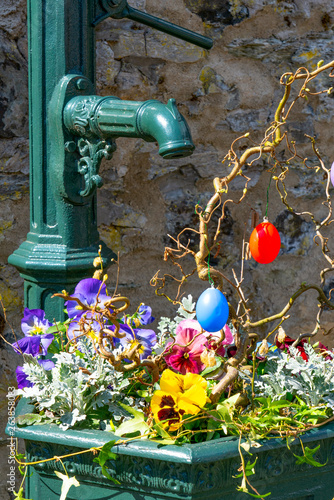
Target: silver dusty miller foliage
167,326
80,382
312,381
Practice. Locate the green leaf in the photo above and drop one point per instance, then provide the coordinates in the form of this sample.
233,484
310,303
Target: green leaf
67,483
61,327
163,441
245,490
232,400
134,425
131,410
261,368
143,394
19,495
104,455
249,469
301,402
262,400
190,421
211,369
225,409
307,458
79,354
268,403
289,396
213,425
282,403
162,432
20,457
28,419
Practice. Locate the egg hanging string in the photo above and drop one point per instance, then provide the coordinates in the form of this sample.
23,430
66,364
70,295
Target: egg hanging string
209,274
212,309
209,253
268,188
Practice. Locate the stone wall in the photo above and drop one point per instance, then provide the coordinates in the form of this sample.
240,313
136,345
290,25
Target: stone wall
223,93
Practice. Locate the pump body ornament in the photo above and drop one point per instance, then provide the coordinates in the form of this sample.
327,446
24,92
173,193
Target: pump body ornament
107,117
84,128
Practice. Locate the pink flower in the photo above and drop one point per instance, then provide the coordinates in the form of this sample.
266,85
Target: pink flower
213,337
185,355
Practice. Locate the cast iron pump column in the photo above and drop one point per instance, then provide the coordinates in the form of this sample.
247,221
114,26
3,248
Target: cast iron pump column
71,130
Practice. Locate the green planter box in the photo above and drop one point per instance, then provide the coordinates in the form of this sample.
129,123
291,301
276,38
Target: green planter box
149,471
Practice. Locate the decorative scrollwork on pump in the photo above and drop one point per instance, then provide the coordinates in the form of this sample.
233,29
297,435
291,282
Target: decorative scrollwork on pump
92,151
80,113
92,146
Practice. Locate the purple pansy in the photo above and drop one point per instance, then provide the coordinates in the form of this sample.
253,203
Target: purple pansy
145,315
35,345
34,322
85,325
91,292
47,364
146,338
36,341
22,377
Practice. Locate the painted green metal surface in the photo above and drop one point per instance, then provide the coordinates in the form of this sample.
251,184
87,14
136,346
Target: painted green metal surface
61,41
147,470
109,117
64,160
119,9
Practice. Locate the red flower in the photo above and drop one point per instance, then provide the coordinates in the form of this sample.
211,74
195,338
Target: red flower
213,338
325,352
288,341
185,355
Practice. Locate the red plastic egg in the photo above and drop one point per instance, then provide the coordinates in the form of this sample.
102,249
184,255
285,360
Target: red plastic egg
264,243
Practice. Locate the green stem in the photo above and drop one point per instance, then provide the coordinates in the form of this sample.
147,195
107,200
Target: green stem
253,377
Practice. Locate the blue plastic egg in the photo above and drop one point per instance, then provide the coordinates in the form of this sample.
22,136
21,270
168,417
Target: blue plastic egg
212,310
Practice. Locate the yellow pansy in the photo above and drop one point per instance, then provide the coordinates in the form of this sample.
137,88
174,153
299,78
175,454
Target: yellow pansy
175,382
179,395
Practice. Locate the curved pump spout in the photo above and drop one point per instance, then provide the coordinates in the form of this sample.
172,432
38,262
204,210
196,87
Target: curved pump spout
166,125
110,117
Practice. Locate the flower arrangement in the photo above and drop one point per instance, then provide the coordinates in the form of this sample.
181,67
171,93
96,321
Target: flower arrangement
182,382
115,374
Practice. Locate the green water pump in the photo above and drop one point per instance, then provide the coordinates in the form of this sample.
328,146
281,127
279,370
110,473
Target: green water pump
71,130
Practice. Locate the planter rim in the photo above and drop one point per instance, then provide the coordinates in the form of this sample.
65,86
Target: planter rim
209,451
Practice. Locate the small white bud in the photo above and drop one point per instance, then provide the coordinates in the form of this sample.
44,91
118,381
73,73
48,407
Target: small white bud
97,262
208,358
98,275
281,335
264,348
